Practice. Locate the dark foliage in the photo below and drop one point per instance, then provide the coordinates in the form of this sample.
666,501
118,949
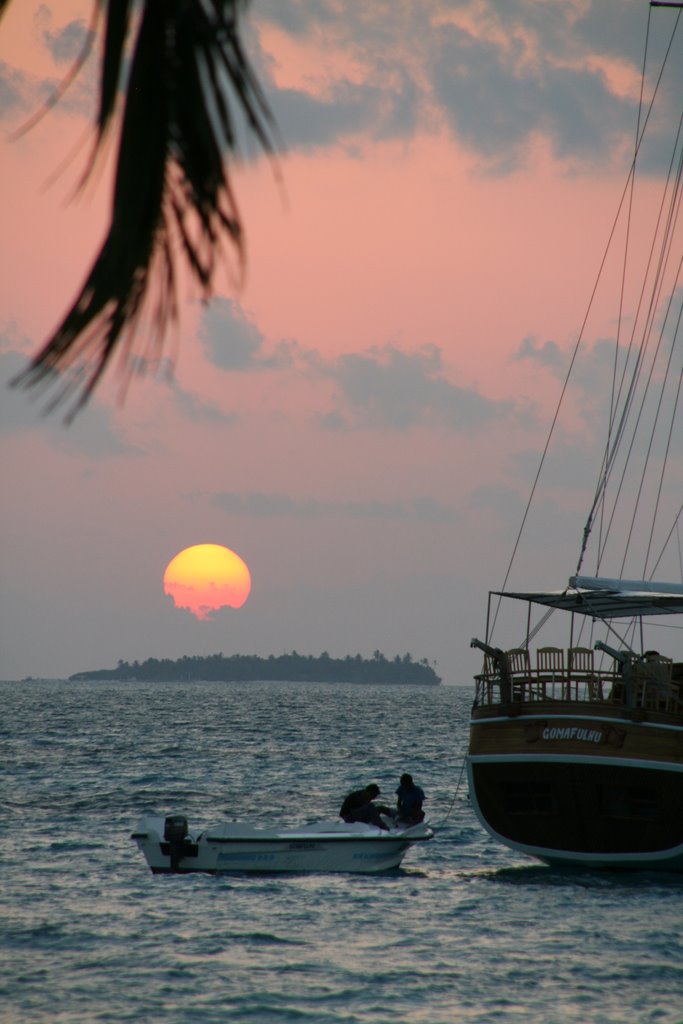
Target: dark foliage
288,667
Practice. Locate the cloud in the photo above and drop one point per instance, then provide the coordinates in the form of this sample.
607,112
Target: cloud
282,506
197,409
392,389
233,342
308,122
31,95
510,73
12,88
384,388
342,70
497,74
94,433
549,355
65,44
592,372
499,497
506,72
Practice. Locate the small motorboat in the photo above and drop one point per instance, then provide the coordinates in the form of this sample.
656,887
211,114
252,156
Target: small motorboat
170,846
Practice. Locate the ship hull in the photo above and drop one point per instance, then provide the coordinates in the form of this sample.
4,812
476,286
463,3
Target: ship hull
592,791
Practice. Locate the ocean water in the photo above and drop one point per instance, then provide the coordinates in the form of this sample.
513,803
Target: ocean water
465,931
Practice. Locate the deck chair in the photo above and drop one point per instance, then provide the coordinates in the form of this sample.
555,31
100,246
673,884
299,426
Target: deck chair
653,681
661,667
486,679
580,669
520,671
549,668
610,674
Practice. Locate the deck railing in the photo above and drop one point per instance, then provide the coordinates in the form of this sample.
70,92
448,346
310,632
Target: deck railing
654,684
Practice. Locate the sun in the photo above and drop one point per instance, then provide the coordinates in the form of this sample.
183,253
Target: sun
205,578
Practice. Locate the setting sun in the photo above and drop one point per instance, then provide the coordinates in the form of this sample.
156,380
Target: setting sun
205,578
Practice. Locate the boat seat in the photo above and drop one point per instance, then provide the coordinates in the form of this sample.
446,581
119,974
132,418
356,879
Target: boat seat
658,667
653,679
519,667
549,669
487,679
581,669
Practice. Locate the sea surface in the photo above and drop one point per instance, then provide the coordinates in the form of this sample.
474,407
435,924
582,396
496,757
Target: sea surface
465,931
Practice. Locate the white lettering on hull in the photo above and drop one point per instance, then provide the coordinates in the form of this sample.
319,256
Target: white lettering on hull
572,733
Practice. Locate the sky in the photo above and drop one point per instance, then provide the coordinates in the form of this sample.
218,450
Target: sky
362,418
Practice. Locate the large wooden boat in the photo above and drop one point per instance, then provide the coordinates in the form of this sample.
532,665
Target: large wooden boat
576,755
576,743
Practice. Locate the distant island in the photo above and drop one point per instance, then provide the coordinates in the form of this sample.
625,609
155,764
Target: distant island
294,668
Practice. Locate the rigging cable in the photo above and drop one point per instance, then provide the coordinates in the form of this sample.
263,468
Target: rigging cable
538,627
562,394
674,210
668,538
610,454
665,460
614,401
607,459
647,331
652,433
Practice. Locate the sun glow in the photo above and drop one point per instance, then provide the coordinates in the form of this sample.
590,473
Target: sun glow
204,578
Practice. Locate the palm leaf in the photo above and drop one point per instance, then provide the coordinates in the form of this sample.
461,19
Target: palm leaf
172,191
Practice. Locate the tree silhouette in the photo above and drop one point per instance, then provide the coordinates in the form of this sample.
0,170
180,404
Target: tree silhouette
292,667
189,81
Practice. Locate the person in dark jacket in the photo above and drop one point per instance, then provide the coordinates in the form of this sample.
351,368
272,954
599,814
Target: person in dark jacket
409,800
359,806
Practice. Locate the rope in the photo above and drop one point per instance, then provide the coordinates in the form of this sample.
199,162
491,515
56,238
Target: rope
455,796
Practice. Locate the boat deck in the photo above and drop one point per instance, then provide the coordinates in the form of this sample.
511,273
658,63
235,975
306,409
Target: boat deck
654,684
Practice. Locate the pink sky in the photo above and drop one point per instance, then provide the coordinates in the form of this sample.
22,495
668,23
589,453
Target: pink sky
361,423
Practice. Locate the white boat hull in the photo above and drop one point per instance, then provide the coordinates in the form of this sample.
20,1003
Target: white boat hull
328,846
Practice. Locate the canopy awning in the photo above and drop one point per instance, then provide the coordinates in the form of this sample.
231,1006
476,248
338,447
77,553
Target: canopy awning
602,598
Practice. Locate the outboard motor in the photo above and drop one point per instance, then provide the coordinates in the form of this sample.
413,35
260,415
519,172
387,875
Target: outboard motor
175,834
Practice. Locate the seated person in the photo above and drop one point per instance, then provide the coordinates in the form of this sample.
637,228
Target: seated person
409,799
359,806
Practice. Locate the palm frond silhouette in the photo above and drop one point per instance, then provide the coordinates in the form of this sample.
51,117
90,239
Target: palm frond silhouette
189,80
